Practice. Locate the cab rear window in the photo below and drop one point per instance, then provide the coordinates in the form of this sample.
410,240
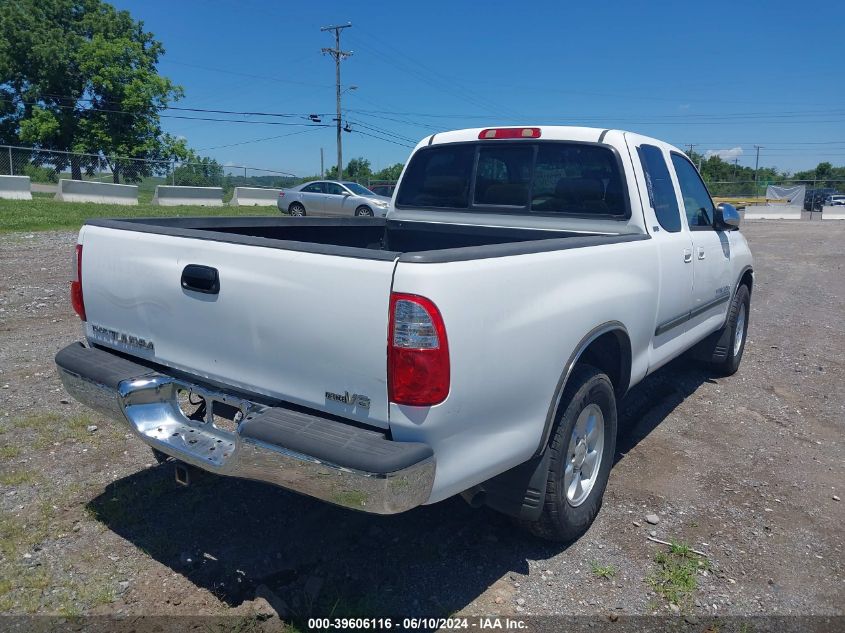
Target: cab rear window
543,178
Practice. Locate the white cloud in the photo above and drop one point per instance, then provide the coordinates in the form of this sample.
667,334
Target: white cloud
724,154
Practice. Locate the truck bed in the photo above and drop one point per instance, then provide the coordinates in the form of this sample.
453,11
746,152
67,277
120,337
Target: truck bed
375,238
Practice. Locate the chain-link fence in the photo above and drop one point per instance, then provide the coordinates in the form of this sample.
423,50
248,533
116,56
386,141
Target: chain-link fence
46,167
817,193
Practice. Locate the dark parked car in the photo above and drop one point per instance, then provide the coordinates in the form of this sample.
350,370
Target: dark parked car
383,190
815,199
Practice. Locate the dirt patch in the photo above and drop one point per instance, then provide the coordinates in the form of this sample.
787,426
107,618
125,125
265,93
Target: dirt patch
744,469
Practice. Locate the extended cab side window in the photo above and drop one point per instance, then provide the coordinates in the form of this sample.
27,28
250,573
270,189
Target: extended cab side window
661,191
697,203
576,178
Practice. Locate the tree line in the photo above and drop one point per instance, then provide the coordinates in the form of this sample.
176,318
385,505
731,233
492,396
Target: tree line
729,178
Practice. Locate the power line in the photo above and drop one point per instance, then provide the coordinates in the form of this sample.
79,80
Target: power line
193,118
257,140
655,119
385,132
387,140
721,115
430,77
180,108
188,118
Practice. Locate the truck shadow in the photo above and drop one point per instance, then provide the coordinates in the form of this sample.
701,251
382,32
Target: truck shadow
652,400
241,539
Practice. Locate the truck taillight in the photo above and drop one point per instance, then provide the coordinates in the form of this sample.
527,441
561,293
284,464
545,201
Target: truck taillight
417,352
76,299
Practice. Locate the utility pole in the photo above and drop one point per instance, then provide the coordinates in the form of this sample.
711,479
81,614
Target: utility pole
691,145
322,168
756,167
338,55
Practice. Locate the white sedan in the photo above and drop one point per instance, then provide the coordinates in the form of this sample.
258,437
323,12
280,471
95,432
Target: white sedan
332,197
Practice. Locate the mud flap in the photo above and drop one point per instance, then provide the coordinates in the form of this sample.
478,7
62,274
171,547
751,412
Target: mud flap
521,491
714,348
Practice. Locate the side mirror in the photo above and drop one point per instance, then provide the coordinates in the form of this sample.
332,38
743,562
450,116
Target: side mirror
727,217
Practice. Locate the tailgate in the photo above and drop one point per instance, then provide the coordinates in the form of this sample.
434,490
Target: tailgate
306,328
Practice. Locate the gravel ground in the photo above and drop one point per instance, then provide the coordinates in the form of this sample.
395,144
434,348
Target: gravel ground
748,470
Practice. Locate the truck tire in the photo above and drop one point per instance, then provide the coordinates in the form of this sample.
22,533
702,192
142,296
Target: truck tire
736,329
583,438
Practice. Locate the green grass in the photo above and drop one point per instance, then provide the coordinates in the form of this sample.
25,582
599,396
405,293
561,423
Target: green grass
603,571
9,452
45,214
17,535
675,577
50,428
16,478
350,498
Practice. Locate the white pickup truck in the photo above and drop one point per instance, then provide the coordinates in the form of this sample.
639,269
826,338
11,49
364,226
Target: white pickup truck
475,341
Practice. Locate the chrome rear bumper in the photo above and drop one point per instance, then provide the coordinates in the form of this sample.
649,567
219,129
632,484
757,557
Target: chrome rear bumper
318,456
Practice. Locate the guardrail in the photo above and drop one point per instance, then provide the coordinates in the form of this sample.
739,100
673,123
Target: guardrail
171,196
254,197
773,212
99,192
15,188
833,213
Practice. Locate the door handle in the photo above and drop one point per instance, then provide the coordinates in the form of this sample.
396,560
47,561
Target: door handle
203,279
700,253
687,256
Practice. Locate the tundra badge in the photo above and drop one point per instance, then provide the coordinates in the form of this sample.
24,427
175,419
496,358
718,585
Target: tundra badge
113,337
354,399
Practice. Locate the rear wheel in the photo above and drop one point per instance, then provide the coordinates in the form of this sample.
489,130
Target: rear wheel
364,212
582,448
297,210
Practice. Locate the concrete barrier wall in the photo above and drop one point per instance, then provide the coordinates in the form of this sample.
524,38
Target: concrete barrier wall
171,196
833,213
100,192
254,196
773,212
15,188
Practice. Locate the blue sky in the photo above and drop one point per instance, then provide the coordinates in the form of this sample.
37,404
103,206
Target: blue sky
721,75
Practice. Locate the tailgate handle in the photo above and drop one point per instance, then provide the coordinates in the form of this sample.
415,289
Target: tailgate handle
201,279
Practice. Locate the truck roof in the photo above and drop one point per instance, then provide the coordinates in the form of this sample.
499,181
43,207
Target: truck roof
547,132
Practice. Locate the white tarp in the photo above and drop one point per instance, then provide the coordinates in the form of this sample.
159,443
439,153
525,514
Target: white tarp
791,195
